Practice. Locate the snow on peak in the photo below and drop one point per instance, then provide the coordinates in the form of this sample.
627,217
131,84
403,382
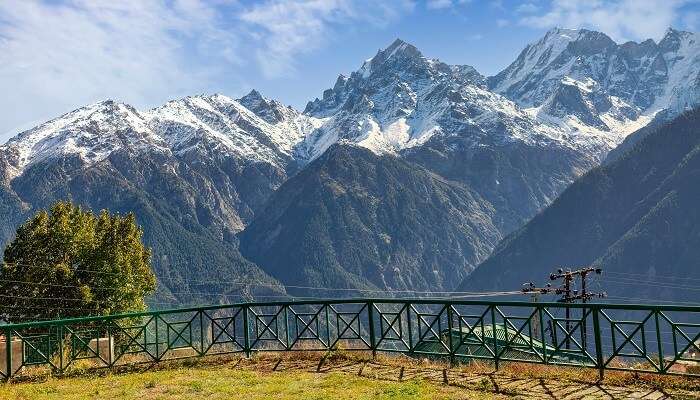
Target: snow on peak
91,132
268,132
265,132
271,111
646,75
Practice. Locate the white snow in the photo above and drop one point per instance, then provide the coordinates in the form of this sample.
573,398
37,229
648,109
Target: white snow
386,114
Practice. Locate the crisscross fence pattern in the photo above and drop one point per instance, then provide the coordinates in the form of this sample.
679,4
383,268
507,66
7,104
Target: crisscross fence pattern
643,338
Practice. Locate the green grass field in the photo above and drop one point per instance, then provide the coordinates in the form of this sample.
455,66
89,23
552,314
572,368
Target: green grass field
337,375
220,382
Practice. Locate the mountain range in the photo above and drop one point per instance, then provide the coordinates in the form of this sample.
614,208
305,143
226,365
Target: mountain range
635,218
402,176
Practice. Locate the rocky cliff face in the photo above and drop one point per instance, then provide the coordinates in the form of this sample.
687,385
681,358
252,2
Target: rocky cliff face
647,77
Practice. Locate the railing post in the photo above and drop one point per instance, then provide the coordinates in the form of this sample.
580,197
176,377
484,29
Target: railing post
598,344
542,339
8,353
495,336
328,327
410,333
662,369
60,348
449,334
201,332
157,317
286,327
246,339
370,315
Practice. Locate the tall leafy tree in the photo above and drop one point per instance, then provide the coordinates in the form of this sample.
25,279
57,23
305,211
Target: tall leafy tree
69,262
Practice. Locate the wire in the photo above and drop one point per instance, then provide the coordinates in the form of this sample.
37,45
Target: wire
654,299
632,282
281,286
647,276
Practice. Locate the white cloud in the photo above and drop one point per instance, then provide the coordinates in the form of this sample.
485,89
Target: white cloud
290,28
58,56
621,19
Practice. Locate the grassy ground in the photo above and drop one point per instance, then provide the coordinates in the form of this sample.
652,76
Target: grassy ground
220,382
341,375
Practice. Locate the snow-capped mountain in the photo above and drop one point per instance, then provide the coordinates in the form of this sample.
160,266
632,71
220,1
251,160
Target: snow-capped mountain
92,132
503,147
647,76
399,99
267,132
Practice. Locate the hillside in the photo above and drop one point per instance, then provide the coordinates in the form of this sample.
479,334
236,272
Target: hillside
354,219
637,218
438,163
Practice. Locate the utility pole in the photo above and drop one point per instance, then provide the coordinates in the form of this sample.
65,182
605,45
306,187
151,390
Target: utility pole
535,293
569,295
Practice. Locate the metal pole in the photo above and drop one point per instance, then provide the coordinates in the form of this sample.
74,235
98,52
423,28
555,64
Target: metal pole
328,328
60,347
286,327
658,342
246,339
370,316
449,334
583,311
157,339
201,332
598,345
495,337
567,299
543,341
8,352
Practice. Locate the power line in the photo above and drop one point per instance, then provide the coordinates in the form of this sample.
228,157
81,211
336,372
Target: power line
657,277
632,282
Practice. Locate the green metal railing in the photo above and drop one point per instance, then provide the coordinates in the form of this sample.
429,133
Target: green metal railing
643,338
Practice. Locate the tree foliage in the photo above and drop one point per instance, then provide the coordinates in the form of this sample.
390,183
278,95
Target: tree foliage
69,262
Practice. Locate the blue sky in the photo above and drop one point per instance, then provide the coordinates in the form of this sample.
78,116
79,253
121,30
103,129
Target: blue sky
57,55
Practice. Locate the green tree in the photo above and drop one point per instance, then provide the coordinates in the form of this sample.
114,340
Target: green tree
69,262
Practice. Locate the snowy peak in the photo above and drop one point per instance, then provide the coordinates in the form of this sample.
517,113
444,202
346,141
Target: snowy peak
646,75
92,133
272,111
400,99
194,126
673,39
266,132
399,53
398,72
539,68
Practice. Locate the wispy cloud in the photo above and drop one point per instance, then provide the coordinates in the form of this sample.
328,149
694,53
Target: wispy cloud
621,19
287,29
56,56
